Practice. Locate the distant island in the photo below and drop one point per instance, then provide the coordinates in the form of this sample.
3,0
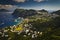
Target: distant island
4,10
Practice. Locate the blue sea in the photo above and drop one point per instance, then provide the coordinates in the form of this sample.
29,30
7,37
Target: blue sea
7,19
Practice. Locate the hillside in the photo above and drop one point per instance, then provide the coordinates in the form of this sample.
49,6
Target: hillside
56,12
24,13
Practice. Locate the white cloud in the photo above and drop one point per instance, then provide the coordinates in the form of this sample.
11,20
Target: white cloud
19,0
40,0
6,6
28,0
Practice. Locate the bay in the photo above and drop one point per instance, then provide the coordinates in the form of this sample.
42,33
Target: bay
7,19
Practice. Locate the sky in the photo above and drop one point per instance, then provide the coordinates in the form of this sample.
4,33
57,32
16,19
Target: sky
30,4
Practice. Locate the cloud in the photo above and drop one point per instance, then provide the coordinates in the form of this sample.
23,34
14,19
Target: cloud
11,2
19,0
40,0
6,6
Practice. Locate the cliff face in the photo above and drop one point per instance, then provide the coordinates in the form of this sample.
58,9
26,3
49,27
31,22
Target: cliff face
24,13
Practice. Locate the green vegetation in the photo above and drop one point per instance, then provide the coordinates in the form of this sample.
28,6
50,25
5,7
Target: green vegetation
24,13
34,27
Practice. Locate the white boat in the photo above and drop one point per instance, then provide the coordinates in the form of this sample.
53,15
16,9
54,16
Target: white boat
19,17
16,20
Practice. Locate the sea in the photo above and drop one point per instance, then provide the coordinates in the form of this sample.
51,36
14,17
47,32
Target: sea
7,19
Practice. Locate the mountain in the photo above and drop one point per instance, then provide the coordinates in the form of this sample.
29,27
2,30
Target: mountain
4,10
43,10
24,13
56,12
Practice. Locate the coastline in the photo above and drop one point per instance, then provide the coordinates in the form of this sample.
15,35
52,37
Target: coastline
20,22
